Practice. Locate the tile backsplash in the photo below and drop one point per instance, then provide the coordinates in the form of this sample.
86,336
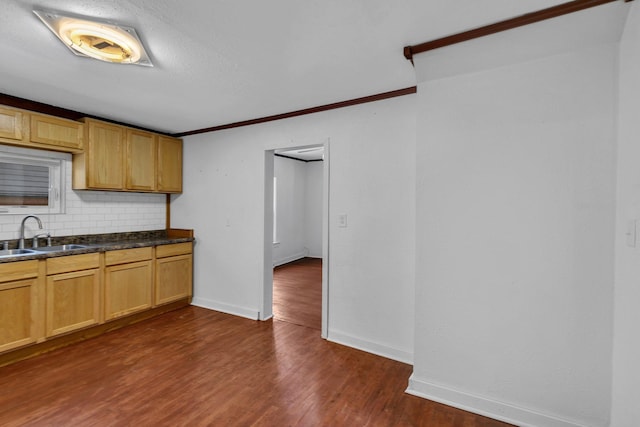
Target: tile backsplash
93,212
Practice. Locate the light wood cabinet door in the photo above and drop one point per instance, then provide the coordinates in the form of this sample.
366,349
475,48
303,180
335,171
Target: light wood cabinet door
19,307
73,301
128,288
174,278
12,124
169,165
17,313
141,160
105,156
56,132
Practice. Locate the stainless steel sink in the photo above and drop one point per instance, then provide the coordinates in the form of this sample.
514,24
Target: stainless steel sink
15,252
59,248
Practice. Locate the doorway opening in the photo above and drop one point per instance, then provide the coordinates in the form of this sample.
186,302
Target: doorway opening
297,292
296,236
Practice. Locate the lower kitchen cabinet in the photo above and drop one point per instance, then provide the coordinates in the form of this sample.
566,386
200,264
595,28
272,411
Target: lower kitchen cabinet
128,282
174,272
45,301
73,293
19,314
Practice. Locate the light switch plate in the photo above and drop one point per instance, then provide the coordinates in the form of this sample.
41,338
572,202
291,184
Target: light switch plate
342,220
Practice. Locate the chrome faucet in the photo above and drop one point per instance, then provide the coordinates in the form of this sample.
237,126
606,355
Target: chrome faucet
21,241
34,243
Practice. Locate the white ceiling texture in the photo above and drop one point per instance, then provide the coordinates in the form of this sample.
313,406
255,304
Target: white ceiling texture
223,61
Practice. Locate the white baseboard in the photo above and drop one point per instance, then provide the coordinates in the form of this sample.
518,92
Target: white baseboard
290,258
370,347
226,308
485,406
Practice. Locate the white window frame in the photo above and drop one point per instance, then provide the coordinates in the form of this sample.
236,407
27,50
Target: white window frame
57,178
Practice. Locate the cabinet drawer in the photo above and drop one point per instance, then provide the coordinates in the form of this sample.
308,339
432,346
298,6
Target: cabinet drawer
64,264
127,255
18,270
174,249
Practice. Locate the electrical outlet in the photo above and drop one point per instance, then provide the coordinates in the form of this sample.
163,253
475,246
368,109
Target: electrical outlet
342,220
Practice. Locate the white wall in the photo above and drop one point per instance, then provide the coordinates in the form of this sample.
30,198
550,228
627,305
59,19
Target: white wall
94,212
626,372
371,263
313,209
290,221
514,239
299,210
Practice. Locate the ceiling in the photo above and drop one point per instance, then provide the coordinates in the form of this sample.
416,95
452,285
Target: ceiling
222,61
306,154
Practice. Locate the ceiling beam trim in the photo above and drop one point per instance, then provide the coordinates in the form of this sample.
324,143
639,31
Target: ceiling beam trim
519,21
326,107
39,107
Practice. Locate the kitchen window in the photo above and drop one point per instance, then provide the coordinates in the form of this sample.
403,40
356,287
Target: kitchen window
31,181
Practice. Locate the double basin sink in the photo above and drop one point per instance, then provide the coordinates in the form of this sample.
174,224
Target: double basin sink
44,249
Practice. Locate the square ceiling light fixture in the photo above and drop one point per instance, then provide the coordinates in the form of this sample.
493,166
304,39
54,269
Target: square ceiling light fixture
101,40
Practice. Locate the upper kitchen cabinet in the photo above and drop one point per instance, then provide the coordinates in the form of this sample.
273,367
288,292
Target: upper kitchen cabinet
101,165
12,124
120,158
66,135
21,127
106,156
141,148
169,165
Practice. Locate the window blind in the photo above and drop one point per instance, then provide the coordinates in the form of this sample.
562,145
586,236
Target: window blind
23,184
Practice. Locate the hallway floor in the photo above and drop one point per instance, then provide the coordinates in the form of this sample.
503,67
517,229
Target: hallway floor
297,292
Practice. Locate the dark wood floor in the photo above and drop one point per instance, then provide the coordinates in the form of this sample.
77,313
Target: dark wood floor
196,367
297,292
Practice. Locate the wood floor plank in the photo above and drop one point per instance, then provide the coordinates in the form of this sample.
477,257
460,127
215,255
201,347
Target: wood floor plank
297,292
196,367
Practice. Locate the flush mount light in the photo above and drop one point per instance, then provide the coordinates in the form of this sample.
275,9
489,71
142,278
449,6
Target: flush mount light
105,41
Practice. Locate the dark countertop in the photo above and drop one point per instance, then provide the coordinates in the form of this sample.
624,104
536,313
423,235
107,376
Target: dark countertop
99,243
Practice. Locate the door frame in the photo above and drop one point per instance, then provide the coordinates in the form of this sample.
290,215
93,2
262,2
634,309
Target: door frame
266,291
